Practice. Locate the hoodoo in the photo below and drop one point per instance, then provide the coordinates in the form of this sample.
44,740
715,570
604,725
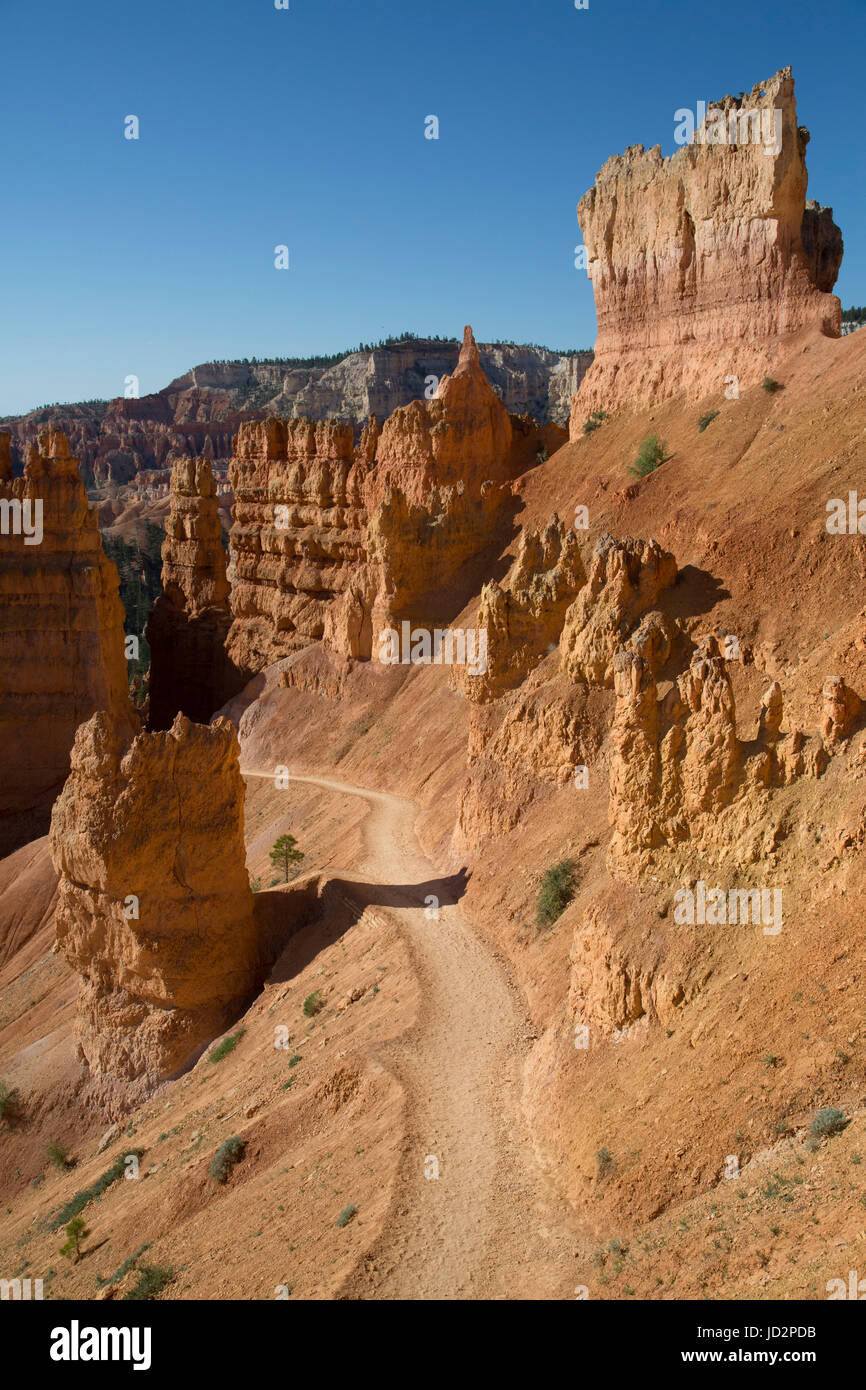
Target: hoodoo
61,633
155,911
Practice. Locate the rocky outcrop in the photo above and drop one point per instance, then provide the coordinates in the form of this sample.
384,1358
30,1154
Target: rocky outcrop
198,413
703,261
523,616
188,627
626,580
155,909
463,435
61,631
841,708
677,765
334,540
618,984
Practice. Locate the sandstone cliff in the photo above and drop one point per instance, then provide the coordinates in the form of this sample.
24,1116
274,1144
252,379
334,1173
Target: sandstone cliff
155,909
188,626
702,261
61,631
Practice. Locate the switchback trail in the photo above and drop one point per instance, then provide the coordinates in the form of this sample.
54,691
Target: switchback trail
490,1225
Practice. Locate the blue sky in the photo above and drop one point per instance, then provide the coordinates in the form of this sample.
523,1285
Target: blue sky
305,127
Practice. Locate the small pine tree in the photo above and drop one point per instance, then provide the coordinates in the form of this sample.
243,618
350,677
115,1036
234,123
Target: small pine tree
285,853
75,1232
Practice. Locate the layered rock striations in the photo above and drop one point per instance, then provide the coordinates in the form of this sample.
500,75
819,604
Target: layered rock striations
702,262
188,627
155,910
61,625
298,539
334,540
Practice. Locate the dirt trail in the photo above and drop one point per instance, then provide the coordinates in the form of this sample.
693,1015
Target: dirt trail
490,1225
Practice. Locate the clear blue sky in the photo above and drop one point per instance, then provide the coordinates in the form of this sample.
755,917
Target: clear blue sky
306,127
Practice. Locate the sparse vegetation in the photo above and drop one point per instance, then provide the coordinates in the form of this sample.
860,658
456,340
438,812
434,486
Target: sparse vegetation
152,1279
89,1194
555,893
226,1046
650,456
346,1215
313,1004
827,1122
541,454
594,420
124,1268
771,386
285,853
57,1154
230,1152
707,420
605,1163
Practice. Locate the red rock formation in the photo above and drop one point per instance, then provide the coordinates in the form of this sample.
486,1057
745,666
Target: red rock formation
298,535
333,542
841,708
703,260
523,616
61,633
189,624
462,436
677,765
625,582
155,909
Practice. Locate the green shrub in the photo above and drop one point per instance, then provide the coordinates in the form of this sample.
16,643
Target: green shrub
771,386
57,1154
555,893
123,1268
593,420
314,1003
88,1194
226,1046
152,1279
541,454
604,1160
227,1155
707,420
650,456
346,1215
829,1121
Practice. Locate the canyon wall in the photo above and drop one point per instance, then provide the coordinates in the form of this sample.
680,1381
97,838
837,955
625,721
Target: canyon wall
198,413
702,261
61,631
155,910
187,629
334,540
